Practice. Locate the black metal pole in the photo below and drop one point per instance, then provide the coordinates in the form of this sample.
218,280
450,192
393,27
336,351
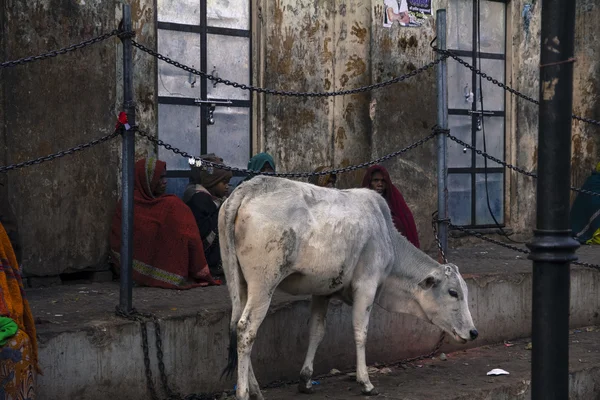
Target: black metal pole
553,248
127,176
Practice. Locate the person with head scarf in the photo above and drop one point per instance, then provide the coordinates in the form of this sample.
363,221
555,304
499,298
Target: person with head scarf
18,342
327,180
585,212
262,162
378,179
204,195
167,248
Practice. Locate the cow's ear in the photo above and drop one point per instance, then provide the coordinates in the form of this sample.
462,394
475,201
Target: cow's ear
428,282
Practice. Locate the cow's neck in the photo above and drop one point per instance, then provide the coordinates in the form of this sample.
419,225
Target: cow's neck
411,264
398,292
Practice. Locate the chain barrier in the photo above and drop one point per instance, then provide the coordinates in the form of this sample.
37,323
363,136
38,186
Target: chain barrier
198,161
514,248
65,50
143,318
507,88
275,92
60,154
510,166
434,222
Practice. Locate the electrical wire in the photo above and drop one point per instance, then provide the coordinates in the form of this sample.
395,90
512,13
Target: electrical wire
485,161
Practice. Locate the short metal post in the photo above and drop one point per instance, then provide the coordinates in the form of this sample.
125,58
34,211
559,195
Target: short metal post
442,122
553,248
128,164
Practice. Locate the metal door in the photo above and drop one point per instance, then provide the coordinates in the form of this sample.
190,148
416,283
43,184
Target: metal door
474,116
195,114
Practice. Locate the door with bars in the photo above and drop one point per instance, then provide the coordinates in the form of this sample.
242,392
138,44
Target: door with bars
196,114
476,112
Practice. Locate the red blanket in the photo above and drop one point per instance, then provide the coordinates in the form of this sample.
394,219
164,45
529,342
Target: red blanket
167,249
401,215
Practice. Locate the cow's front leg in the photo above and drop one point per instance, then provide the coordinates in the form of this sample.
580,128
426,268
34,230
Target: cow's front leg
318,315
361,311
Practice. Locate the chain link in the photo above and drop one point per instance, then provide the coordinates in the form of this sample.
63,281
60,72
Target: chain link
434,223
510,166
60,154
507,88
65,50
515,248
175,150
256,89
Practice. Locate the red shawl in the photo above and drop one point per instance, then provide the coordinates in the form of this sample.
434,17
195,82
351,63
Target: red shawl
167,249
401,215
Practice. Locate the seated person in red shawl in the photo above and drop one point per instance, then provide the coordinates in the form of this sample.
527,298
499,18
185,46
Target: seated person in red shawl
378,179
204,196
167,249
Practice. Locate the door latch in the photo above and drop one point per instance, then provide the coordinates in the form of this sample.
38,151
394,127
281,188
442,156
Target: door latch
212,104
480,115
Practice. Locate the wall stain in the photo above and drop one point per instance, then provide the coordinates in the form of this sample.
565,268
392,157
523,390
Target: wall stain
359,31
355,66
344,80
340,137
327,55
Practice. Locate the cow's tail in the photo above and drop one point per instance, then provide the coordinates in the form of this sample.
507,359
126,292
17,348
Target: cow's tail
233,273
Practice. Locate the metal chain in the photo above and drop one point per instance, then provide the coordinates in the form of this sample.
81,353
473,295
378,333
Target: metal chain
136,316
510,166
60,154
175,150
73,47
256,89
434,222
507,88
515,248
143,318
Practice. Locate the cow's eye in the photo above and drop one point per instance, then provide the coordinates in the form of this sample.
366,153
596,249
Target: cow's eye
453,293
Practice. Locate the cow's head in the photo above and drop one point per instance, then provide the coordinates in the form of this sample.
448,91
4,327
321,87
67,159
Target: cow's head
443,297
440,298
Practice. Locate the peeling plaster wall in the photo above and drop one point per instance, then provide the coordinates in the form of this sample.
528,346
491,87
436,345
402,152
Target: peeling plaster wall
64,207
526,40
405,112
313,46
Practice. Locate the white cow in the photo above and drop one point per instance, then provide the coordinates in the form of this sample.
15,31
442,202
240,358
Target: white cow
304,239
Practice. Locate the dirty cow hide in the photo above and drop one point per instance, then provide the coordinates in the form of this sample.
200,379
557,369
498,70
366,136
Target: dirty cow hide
328,243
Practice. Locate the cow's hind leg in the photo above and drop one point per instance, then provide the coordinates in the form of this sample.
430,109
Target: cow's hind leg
254,313
364,296
254,387
318,314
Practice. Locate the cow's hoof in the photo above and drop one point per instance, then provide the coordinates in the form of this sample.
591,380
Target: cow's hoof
257,396
306,390
372,392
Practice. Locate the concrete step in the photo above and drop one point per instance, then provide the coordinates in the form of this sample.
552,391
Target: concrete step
88,353
463,376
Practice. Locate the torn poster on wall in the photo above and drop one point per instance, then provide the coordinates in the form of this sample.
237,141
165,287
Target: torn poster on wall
408,13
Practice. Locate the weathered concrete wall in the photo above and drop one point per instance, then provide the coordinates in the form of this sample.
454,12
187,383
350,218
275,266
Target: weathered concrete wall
317,47
526,31
405,112
314,47
64,207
